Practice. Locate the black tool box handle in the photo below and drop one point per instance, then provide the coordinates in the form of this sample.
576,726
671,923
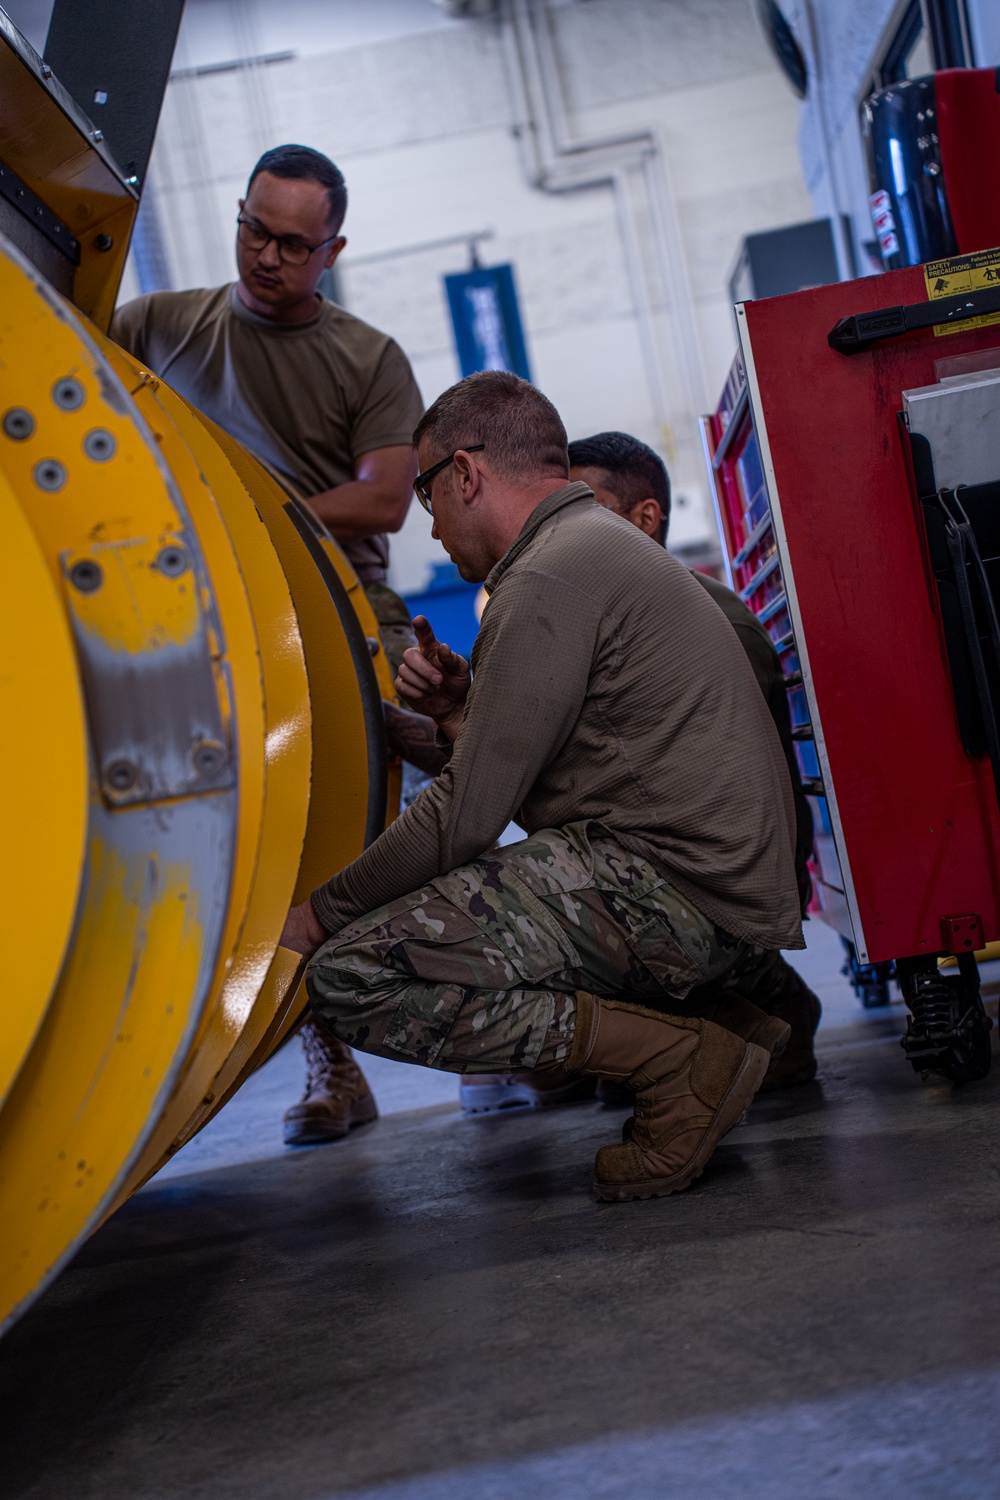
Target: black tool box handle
861,330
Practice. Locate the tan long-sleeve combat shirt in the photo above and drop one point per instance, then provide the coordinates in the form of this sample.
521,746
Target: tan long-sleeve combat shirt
607,685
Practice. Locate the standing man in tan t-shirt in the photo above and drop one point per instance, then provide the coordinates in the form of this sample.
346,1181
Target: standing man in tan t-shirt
328,402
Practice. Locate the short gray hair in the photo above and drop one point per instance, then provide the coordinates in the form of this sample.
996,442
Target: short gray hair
520,429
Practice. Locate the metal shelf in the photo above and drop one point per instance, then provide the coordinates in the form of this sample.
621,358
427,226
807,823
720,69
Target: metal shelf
763,525
764,571
735,421
771,608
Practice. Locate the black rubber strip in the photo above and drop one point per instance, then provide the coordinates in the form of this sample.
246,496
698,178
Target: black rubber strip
308,528
861,330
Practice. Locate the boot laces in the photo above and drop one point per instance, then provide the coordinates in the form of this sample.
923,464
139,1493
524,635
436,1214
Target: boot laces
329,1068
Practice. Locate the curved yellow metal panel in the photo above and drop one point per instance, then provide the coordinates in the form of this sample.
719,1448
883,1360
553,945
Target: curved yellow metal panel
151,647
43,761
342,790
213,749
355,591
341,797
244,996
274,503
342,813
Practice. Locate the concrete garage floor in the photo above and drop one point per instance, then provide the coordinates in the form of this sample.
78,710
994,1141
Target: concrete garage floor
437,1310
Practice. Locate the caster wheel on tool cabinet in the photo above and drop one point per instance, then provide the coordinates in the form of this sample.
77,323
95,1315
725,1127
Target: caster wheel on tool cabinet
949,1031
972,1060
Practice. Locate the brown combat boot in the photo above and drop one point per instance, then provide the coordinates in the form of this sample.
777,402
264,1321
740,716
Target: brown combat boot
797,1006
691,1079
553,1086
743,1019
337,1095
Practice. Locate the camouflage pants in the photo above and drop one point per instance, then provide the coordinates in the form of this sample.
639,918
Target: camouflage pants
394,623
477,971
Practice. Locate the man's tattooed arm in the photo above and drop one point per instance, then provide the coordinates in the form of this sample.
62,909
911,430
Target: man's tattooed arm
412,736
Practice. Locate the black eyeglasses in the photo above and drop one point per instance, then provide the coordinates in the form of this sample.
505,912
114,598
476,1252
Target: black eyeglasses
422,483
292,250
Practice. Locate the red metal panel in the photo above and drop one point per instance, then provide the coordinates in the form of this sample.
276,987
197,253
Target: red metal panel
920,820
968,118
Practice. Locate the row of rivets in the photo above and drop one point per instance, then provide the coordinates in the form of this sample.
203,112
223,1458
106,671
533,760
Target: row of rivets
69,395
207,756
87,575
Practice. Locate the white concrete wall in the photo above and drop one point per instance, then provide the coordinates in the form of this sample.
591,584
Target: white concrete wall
415,107
984,24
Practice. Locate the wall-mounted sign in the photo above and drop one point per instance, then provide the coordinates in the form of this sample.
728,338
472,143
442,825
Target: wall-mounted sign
487,321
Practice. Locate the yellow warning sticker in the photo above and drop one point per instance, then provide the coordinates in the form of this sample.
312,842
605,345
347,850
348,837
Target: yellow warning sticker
963,273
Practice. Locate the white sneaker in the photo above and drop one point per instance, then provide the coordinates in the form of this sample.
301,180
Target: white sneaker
489,1093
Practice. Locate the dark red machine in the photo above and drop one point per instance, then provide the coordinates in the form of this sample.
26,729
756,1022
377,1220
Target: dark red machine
933,149
869,549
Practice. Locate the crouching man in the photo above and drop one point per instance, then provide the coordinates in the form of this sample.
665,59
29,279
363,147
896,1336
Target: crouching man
612,711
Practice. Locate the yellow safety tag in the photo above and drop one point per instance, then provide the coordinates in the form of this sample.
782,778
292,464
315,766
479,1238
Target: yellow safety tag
963,273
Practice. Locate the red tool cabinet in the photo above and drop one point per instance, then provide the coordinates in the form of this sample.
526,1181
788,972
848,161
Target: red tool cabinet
826,539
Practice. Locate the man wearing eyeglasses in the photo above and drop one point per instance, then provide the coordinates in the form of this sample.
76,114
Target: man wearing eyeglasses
328,402
319,395
610,710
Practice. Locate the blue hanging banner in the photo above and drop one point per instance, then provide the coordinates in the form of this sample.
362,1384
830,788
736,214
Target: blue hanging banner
487,321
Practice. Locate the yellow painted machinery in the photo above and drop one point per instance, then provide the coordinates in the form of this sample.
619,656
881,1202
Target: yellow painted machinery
190,686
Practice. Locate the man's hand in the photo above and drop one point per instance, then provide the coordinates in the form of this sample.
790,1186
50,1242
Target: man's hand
434,680
303,932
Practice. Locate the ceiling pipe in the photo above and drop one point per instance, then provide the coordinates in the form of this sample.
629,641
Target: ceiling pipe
556,161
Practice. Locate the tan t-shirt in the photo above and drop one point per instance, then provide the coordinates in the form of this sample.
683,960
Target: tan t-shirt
307,398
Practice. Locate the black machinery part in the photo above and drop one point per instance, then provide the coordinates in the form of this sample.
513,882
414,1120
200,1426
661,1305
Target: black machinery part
854,334
114,57
905,170
949,1031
